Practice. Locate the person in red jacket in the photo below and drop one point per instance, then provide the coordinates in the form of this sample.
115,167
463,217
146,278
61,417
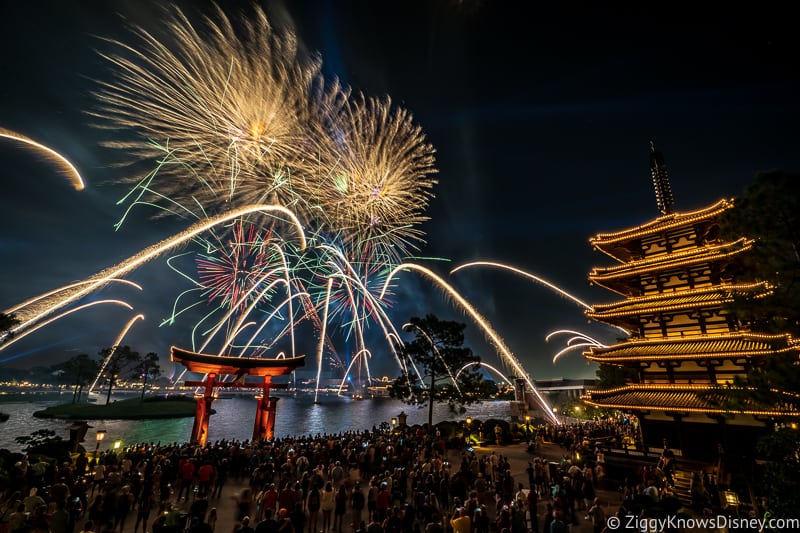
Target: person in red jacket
204,474
269,500
383,501
186,470
287,497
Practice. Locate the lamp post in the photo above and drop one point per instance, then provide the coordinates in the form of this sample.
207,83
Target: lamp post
99,436
468,422
528,428
394,423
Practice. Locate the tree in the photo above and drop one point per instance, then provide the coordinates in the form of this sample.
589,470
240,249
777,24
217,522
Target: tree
78,371
148,366
44,442
769,211
120,362
438,353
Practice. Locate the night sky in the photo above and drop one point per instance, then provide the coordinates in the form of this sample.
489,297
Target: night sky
541,114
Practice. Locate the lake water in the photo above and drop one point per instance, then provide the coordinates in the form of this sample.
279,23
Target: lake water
234,419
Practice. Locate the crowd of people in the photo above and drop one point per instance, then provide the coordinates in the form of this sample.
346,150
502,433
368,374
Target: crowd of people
369,482
392,482
620,432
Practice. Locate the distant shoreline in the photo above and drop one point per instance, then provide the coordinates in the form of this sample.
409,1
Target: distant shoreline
131,409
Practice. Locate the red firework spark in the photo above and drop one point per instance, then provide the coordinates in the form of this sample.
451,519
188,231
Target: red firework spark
231,273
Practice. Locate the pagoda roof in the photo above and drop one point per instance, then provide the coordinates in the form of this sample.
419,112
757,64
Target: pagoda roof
663,223
617,277
732,345
681,398
672,301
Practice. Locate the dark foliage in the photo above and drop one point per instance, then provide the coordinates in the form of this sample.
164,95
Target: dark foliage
438,352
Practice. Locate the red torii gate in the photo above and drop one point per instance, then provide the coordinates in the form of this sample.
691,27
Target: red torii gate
214,365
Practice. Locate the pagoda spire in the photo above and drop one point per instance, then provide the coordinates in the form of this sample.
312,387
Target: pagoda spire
658,169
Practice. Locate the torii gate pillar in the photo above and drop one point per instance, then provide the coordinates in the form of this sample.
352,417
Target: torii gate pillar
202,413
264,426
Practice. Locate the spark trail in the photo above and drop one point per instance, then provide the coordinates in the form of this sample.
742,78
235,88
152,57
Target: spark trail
506,356
47,305
322,336
35,299
66,168
573,342
68,312
528,275
481,364
535,278
115,345
424,333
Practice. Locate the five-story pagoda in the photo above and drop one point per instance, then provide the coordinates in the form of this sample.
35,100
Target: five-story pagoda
675,275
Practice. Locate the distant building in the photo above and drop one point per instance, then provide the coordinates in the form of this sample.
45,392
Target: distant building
674,275
561,390
556,391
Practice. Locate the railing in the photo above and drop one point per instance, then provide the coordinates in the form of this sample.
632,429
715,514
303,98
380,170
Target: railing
652,451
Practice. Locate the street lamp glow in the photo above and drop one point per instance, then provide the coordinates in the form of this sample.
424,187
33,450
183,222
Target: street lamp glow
469,420
394,421
99,436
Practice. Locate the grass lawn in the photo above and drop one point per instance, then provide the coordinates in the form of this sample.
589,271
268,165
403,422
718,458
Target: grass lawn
133,409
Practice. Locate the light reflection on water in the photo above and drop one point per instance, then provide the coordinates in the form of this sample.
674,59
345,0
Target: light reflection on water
234,419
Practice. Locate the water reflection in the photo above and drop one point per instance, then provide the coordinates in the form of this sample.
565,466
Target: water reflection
234,419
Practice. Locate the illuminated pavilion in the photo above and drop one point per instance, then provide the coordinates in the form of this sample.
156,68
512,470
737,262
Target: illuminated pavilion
674,275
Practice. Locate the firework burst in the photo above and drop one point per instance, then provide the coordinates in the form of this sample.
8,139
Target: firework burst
233,115
229,113
229,276
222,113
377,166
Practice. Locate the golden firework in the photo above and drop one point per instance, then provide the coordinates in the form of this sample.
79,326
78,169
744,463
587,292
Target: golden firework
221,110
377,174
233,115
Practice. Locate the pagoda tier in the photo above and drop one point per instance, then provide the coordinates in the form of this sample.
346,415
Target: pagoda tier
690,268
674,400
676,313
732,346
707,359
665,234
